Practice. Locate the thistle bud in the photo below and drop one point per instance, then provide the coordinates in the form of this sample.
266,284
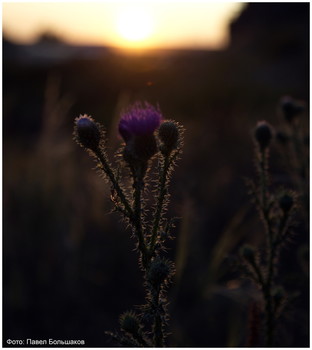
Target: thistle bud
168,134
129,322
87,132
248,253
291,108
286,202
160,270
263,134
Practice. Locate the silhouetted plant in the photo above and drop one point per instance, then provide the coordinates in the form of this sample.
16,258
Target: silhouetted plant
146,136
293,137
276,210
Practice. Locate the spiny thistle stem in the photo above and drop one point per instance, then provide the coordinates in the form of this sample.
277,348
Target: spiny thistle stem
258,273
158,331
268,300
158,337
116,186
282,230
138,186
165,163
263,178
270,252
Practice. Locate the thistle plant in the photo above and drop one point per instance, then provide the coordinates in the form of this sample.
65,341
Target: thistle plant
293,139
147,138
276,210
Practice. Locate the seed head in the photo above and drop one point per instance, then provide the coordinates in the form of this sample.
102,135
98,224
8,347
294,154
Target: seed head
87,132
263,134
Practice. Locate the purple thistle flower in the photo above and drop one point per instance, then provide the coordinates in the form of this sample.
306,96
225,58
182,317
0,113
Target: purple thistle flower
139,120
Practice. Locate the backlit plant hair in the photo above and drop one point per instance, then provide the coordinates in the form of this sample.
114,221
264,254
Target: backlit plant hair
146,136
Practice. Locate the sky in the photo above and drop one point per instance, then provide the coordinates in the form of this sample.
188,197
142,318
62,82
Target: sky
123,24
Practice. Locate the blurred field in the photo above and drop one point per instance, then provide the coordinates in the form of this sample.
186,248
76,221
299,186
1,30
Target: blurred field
68,265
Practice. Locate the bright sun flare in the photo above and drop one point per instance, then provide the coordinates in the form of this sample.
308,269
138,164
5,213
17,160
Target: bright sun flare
134,25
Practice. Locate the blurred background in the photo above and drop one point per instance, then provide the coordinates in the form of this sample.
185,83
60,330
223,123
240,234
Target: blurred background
69,268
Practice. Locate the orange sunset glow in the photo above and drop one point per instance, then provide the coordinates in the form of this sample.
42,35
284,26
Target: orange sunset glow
149,24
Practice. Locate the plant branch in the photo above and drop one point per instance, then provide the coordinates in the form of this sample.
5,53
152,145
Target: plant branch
160,201
108,171
138,186
158,331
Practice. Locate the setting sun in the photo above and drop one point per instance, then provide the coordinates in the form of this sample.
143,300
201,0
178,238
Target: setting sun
134,24
131,24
